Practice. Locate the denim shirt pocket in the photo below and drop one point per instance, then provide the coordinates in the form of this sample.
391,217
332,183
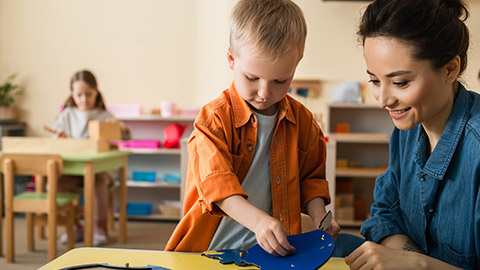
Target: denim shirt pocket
450,256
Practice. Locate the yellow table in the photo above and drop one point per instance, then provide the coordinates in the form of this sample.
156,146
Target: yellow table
136,258
88,165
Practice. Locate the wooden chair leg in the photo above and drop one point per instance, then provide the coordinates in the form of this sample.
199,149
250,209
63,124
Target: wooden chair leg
40,187
30,238
111,207
70,222
1,215
52,236
9,254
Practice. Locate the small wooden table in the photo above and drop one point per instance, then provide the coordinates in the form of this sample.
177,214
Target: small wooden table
88,165
170,260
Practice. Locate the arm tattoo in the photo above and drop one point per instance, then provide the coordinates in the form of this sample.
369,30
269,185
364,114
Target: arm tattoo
411,246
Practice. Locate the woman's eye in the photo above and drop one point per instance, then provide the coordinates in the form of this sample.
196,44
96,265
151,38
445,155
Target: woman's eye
280,82
374,81
401,84
251,79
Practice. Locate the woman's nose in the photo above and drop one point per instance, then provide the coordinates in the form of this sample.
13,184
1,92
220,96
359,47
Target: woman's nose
385,98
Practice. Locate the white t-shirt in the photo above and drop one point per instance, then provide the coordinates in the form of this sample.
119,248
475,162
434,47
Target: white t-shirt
231,234
74,122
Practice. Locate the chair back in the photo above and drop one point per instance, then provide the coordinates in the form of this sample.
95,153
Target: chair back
50,166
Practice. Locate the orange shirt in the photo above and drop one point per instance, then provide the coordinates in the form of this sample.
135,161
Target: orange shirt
220,151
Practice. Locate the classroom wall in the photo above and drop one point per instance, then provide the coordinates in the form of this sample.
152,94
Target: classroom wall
145,51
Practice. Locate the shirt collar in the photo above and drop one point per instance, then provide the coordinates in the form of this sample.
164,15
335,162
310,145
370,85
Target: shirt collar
437,164
242,111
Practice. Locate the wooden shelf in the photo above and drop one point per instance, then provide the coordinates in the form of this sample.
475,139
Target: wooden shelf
360,137
359,172
131,183
155,117
163,151
350,223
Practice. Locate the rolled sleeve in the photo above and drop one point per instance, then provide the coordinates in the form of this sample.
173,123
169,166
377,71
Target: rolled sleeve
213,170
312,174
217,187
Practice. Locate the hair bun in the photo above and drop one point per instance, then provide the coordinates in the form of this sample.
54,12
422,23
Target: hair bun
457,8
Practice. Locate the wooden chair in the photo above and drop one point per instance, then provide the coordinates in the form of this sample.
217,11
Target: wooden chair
55,208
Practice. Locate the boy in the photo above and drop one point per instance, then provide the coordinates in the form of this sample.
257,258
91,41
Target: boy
256,156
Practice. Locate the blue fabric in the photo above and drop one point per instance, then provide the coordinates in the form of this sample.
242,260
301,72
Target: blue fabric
345,244
435,200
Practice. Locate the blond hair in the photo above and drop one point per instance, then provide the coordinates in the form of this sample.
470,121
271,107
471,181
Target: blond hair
270,27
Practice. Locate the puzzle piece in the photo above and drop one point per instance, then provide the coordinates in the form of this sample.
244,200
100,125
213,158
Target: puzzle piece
313,249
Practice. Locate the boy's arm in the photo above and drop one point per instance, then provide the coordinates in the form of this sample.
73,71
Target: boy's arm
270,234
316,210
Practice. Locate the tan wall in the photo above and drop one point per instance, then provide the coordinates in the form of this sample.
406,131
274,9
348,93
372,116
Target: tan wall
145,51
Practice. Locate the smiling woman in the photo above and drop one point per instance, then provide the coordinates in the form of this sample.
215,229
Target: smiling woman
414,70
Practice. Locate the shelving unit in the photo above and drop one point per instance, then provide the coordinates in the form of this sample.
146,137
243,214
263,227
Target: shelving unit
356,158
161,161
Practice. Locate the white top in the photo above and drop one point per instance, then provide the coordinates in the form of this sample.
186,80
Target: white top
75,122
231,234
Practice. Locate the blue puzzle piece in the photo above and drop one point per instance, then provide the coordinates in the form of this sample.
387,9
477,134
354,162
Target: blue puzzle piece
227,256
313,249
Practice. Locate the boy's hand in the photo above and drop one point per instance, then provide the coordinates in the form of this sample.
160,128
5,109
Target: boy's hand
271,236
269,231
333,229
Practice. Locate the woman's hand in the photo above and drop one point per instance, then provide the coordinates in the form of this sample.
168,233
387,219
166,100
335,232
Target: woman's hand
271,236
374,256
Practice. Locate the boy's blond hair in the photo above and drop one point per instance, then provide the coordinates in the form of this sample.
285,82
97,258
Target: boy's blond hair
270,27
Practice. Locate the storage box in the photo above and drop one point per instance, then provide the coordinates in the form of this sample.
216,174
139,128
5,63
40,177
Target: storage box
136,209
145,176
146,144
171,178
125,110
108,131
45,145
170,208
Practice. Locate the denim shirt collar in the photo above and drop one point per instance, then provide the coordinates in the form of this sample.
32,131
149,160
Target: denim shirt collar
242,111
436,165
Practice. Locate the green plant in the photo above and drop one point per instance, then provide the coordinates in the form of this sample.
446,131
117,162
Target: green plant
9,90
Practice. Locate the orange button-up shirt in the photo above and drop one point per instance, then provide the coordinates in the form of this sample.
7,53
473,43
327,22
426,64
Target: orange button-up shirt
220,151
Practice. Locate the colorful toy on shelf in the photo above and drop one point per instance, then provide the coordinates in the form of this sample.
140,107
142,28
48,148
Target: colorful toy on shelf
144,176
146,144
173,134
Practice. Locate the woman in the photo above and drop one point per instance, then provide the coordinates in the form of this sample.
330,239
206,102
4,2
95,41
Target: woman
427,204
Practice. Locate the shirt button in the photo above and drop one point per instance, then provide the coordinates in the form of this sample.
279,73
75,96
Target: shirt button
280,217
252,119
430,210
422,179
250,147
278,180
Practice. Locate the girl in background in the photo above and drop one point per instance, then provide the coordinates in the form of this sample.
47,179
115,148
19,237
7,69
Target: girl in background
84,105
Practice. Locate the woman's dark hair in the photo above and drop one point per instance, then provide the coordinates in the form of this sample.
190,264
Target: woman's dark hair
87,77
435,29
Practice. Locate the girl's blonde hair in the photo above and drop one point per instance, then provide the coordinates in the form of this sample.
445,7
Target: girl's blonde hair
270,27
88,78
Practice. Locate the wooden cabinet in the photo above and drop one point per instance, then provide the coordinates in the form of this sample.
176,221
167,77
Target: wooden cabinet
355,158
165,198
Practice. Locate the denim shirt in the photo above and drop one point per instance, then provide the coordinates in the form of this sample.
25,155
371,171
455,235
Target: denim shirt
434,200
